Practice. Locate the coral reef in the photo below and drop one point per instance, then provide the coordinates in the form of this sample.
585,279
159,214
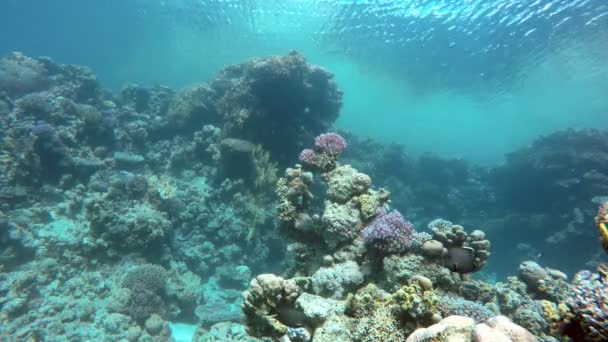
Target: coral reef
455,306
276,102
389,232
359,233
451,236
163,193
124,214
584,316
268,296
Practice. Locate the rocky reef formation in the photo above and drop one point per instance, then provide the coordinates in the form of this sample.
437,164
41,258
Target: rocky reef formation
277,102
123,214
126,211
558,181
535,205
361,272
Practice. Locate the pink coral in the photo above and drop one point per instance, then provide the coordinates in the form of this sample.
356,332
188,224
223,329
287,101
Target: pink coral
389,231
330,143
308,156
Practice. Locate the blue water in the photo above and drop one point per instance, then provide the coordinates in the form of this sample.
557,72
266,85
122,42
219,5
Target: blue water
472,79
149,211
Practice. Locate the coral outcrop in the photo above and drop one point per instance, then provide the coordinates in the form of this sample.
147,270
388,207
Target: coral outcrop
352,251
101,183
124,214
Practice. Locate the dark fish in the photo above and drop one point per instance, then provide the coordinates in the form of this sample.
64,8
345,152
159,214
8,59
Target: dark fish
460,259
290,316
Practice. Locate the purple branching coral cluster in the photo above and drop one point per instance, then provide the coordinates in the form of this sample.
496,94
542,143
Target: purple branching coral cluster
589,306
308,156
389,232
328,146
330,143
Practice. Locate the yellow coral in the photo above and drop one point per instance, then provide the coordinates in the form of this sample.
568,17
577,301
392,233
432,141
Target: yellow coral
371,201
366,301
368,205
416,302
556,314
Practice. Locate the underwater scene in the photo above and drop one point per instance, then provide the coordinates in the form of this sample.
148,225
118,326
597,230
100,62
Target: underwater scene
304,170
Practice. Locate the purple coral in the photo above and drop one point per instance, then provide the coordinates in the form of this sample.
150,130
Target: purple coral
328,146
389,231
330,143
589,306
308,156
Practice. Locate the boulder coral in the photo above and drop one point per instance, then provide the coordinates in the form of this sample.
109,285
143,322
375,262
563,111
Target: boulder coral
460,328
269,300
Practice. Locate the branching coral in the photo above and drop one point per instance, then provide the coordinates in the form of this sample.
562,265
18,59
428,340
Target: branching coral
389,232
145,281
587,319
328,147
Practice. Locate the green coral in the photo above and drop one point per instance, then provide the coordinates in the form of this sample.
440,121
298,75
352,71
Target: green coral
367,300
370,202
416,302
382,316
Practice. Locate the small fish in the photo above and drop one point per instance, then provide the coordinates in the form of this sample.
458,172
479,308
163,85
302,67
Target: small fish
602,225
460,259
